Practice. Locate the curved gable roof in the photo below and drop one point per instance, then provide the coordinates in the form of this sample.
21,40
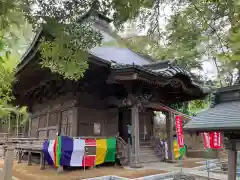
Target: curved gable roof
114,53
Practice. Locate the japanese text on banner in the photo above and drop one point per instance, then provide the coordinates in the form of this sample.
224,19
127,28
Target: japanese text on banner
179,131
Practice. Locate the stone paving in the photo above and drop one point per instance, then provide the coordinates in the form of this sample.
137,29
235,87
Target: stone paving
173,168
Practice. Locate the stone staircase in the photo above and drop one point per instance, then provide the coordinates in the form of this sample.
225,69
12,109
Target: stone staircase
148,153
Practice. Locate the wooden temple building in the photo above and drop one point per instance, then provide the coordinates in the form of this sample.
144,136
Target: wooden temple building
119,88
222,116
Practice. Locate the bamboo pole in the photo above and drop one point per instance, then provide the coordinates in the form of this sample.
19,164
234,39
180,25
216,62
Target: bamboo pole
9,122
17,124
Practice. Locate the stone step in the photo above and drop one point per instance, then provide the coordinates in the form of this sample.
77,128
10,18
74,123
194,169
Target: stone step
150,158
146,146
147,151
158,154
147,143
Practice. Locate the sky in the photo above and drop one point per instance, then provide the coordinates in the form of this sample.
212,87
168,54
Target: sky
209,68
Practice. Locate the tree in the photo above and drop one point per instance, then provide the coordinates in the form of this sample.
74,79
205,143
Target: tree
194,28
7,69
14,34
67,51
212,27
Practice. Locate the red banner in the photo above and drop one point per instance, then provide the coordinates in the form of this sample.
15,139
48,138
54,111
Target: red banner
215,140
206,140
212,140
179,131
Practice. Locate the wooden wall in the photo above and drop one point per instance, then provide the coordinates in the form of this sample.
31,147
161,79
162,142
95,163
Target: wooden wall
78,115
46,117
94,116
81,115
97,122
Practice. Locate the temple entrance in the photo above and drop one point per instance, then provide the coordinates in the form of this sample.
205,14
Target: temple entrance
124,119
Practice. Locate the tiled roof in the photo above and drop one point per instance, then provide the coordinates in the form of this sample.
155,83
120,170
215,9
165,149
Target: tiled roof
119,55
224,116
168,72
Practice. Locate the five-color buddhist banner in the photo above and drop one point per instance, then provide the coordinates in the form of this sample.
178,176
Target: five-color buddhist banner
67,151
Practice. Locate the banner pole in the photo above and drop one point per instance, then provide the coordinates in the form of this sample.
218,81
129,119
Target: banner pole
84,161
181,164
207,166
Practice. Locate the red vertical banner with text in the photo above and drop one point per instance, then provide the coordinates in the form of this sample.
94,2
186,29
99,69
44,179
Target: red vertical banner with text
179,131
206,140
215,140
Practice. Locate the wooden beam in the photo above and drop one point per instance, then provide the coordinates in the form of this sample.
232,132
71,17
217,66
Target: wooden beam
160,107
122,77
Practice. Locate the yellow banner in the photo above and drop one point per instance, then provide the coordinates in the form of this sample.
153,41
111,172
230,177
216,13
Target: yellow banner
101,151
176,149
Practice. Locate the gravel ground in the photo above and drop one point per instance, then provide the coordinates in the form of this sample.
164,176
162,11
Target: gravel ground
24,172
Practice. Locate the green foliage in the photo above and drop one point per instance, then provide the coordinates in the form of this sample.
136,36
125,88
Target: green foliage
7,69
196,30
67,54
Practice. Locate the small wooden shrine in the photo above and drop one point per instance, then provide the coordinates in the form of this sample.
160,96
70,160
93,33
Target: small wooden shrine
119,88
222,116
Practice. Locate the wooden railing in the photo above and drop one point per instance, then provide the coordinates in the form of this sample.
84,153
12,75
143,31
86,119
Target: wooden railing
34,145
22,145
123,151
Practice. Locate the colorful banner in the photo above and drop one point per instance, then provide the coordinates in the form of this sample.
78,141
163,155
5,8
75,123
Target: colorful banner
206,140
179,131
89,158
212,140
52,151
106,149
66,151
215,140
178,152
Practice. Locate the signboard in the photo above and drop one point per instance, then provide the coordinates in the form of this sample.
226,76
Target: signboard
179,131
212,140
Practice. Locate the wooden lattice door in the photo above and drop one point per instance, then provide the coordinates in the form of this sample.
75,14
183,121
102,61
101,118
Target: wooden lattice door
67,119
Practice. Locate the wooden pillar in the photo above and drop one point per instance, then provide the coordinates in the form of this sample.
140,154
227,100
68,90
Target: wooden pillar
8,165
232,164
29,124
75,122
59,116
169,128
135,163
47,125
38,122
